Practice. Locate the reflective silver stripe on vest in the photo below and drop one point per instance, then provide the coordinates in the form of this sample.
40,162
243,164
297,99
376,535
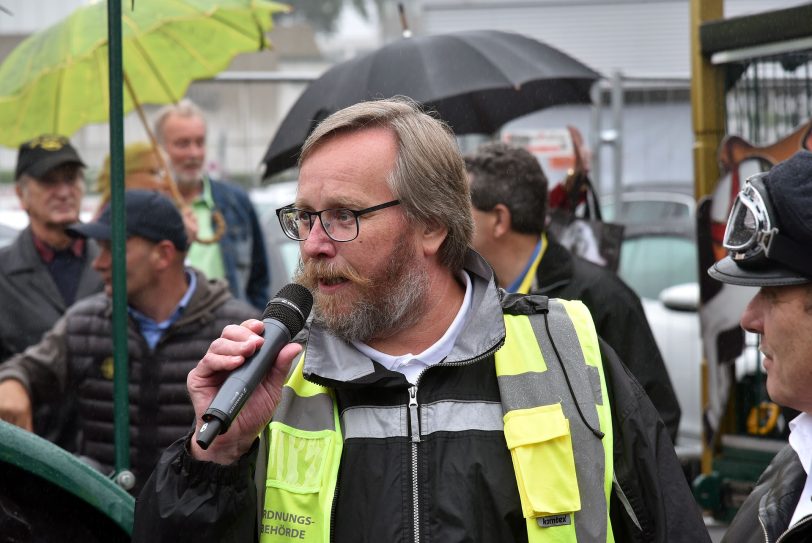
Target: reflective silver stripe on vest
442,416
310,413
530,390
459,416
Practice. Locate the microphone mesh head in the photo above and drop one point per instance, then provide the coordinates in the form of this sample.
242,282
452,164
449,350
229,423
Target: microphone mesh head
290,306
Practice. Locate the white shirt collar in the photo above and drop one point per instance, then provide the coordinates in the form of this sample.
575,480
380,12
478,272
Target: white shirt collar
800,438
412,365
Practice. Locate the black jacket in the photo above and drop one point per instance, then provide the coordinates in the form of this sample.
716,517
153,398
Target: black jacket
619,320
468,486
31,304
765,514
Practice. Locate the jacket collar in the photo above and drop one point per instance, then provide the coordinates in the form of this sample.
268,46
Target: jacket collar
785,477
556,268
333,362
208,294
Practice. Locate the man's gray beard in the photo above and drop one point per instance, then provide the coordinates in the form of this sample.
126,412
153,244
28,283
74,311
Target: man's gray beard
392,303
184,182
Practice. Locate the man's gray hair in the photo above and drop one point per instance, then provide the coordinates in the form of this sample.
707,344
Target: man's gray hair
184,108
429,175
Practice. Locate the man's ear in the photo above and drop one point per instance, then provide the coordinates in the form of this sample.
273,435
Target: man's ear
163,254
503,221
432,237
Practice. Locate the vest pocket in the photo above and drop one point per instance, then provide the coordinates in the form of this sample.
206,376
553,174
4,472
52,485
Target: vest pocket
297,458
541,449
298,487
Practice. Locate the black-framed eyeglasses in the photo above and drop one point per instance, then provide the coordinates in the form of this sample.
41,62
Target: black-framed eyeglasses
340,224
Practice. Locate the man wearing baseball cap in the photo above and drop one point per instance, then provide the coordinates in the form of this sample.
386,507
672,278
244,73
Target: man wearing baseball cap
175,312
769,243
43,271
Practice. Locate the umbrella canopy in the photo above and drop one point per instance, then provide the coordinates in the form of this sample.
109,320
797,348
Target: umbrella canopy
55,80
476,80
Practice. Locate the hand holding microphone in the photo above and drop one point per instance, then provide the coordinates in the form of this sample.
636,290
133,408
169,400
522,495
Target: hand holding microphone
284,317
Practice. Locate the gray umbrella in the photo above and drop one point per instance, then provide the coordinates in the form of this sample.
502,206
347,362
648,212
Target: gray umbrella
476,81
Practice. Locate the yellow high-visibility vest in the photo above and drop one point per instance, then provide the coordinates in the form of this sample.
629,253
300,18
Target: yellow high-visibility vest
554,398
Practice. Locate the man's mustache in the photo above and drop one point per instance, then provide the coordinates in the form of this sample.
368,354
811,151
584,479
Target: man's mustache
312,271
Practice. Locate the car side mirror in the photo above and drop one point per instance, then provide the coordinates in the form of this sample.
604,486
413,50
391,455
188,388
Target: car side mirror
684,297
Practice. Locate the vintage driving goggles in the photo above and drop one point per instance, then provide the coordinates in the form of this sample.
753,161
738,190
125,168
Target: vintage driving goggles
752,235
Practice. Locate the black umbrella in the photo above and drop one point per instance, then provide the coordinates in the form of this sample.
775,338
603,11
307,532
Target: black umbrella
476,80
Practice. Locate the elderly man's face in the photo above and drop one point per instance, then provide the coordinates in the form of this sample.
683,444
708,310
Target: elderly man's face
54,200
184,140
375,284
783,318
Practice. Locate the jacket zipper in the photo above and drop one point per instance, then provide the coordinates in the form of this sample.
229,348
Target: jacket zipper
414,431
764,529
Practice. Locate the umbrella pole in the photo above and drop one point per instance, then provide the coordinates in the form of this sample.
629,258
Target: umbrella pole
173,187
121,402
180,201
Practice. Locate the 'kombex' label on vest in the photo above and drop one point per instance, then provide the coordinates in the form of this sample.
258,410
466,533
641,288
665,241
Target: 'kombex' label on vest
554,520
284,524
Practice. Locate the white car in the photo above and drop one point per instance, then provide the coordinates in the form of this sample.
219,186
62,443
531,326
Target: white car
283,252
659,261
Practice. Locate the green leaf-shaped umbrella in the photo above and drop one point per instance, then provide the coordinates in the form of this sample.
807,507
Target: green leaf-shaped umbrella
55,81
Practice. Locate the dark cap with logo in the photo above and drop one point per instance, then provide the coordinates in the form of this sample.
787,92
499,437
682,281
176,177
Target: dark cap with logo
788,188
44,153
150,215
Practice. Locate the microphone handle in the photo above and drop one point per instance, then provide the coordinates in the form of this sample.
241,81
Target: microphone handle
240,384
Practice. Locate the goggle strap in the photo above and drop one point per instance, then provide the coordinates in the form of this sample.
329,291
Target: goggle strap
788,252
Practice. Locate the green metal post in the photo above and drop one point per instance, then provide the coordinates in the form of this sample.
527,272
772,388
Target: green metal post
119,240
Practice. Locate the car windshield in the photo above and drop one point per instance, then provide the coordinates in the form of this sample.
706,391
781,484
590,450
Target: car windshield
646,211
647,263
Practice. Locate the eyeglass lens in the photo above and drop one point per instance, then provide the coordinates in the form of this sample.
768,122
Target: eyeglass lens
340,224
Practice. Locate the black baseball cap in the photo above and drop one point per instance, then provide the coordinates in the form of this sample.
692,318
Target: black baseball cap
787,192
150,215
44,153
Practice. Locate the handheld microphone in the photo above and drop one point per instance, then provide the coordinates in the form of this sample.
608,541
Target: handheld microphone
284,317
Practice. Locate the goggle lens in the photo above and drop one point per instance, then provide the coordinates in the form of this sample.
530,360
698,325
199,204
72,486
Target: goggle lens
748,225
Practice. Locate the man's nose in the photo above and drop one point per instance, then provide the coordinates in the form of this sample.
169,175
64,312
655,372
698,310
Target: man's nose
318,243
751,320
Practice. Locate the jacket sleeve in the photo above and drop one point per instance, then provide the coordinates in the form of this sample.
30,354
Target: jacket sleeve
651,500
259,278
187,500
622,324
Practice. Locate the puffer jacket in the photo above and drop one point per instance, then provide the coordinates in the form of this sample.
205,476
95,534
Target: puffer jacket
467,484
765,514
74,365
